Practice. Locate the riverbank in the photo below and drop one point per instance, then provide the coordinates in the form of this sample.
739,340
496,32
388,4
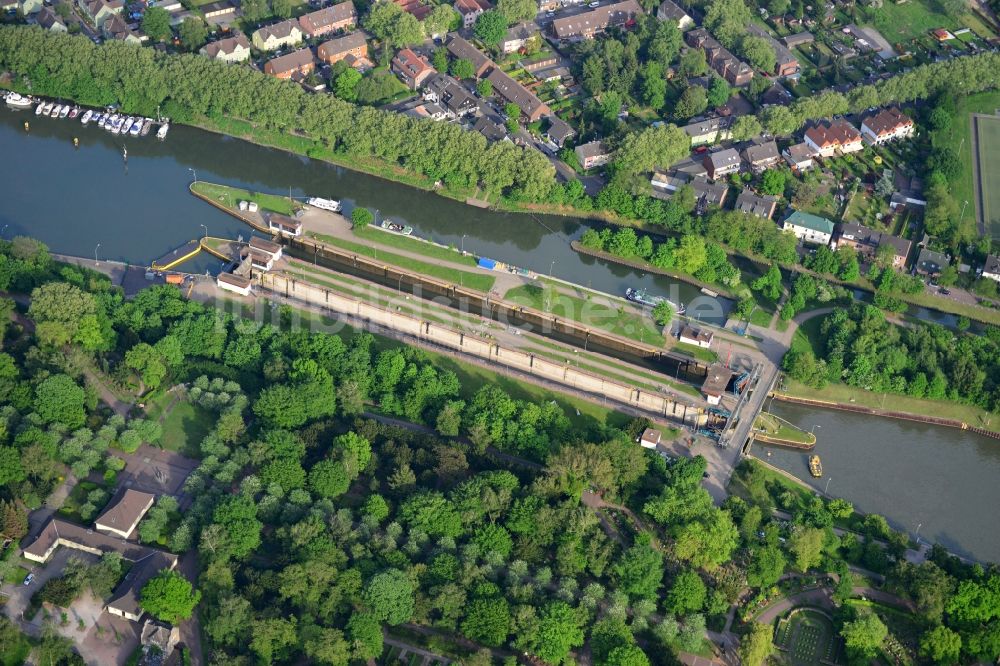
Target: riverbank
775,430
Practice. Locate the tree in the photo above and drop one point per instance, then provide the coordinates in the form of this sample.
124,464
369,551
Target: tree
361,217
326,645
766,566
515,11
345,86
238,518
759,53
806,546
728,21
169,596
58,399
463,68
271,637
746,127
773,182
941,645
65,313
488,621
329,478
663,313
719,92
557,629
255,10
627,655
757,645
769,284
389,596
13,517
692,102
442,19
693,63
365,632
156,23
491,27
687,594
864,636
708,542
484,88
650,148
639,572
193,32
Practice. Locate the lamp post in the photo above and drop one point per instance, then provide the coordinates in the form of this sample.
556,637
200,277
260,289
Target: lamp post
827,485
206,230
96,262
551,266
194,174
812,431
463,244
917,535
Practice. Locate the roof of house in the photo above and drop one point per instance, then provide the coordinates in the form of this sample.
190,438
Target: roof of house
932,262
900,246
887,121
762,152
559,130
125,510
462,48
278,30
719,57
798,39
318,20
651,435
514,92
469,6
800,152
781,52
226,46
671,10
704,127
264,245
126,596
290,61
597,19
411,63
48,18
339,45
592,149
279,220
220,6
521,31
240,281
724,158
754,204
491,130
992,264
716,380
699,334
833,133
810,221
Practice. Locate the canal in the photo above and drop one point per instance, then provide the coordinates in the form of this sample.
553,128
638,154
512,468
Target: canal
942,479
74,198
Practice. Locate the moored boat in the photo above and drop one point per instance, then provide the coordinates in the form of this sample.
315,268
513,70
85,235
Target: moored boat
47,109
64,112
40,108
87,115
146,125
326,204
56,110
162,132
136,127
74,112
396,228
642,297
17,101
815,466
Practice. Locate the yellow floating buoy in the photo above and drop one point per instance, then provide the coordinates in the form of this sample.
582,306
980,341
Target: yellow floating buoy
76,142
27,127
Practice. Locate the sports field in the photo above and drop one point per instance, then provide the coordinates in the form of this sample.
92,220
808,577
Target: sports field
987,149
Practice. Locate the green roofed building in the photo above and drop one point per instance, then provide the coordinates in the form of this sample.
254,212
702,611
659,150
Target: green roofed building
809,228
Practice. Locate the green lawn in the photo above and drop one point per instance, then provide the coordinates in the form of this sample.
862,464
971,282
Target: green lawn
589,313
231,196
184,427
989,171
909,20
778,428
414,245
699,353
15,575
479,281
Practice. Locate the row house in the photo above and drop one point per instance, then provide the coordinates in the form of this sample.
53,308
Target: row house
411,68
709,131
462,49
450,95
762,206
866,243
799,157
762,156
517,36
351,46
886,125
722,163
592,155
586,25
706,193
274,37
559,131
49,20
671,11
231,49
786,64
809,228
295,65
828,138
330,19
415,7
471,10
725,64
99,11
513,92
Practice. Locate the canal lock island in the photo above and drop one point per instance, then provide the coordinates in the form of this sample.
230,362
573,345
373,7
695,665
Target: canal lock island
541,332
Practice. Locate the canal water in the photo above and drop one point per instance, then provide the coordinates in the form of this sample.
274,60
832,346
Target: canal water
943,480
74,198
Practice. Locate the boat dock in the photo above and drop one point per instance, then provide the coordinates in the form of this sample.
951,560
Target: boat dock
220,248
177,256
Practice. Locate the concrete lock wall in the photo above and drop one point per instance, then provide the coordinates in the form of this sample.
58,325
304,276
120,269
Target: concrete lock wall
567,375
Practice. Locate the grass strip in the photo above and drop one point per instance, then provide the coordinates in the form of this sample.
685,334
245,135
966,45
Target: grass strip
416,245
231,196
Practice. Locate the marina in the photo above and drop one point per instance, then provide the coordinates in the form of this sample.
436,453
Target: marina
107,119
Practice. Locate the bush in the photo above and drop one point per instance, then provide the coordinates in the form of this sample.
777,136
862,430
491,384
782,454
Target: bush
129,441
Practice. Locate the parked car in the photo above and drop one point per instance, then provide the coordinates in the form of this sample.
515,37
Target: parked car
29,579
594,4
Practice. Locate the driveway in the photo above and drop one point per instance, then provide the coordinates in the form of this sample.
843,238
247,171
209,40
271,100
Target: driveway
19,595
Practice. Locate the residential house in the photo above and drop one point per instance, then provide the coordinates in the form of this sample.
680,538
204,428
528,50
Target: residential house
931,263
828,138
758,205
461,48
99,11
699,337
491,128
284,225
593,154
798,39
559,131
991,269
116,28
716,382
886,125
586,25
411,68
517,36
124,512
238,284
725,64
431,110
761,156
231,49
353,44
295,65
49,20
415,7
671,11
274,37
219,12
706,194
722,163
452,96
786,63
809,228
799,157
650,438
709,131
905,199
341,16
866,243
145,562
513,92
30,7
470,10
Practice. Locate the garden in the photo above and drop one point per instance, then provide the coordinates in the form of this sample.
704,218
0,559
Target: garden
808,637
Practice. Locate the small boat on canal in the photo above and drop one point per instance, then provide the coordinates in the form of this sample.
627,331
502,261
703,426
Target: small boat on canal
162,132
326,204
642,297
146,125
17,101
87,115
815,466
396,228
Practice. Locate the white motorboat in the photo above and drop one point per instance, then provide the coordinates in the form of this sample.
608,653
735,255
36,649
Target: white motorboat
87,115
326,204
40,108
47,109
136,127
18,101
64,112
56,110
162,132
147,123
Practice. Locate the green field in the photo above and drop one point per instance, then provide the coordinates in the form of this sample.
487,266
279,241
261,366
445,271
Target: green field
231,196
414,245
906,21
988,137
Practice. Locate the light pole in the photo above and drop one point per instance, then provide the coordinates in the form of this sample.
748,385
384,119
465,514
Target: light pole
206,230
463,243
917,535
193,174
812,431
4,230
827,488
551,266
96,262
